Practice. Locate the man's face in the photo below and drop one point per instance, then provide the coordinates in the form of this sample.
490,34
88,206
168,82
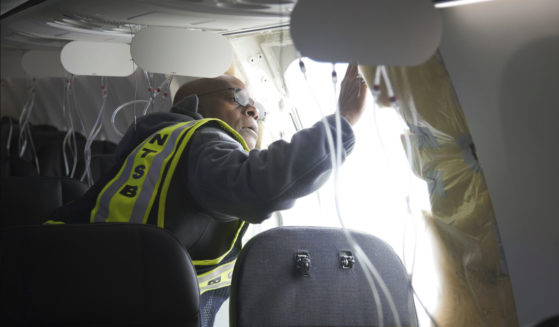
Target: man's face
220,103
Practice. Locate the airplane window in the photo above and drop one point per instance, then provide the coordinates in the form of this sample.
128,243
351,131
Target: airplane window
378,192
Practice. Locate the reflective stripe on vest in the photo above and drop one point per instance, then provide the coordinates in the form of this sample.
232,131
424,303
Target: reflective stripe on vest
216,278
146,174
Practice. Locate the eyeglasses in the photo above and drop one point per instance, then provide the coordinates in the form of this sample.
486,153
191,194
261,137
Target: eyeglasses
241,97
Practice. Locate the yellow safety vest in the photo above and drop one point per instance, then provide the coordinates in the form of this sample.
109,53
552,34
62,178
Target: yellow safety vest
145,177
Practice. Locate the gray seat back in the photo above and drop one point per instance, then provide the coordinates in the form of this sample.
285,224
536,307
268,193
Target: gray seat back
272,287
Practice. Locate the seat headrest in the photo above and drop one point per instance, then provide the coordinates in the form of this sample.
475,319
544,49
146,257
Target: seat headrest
15,166
28,200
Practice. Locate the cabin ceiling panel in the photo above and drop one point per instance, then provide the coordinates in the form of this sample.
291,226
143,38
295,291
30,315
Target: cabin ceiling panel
41,63
117,21
34,26
11,64
226,15
206,22
7,5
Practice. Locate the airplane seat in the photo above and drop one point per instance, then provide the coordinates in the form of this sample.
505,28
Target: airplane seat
51,157
102,158
15,166
552,321
43,134
9,131
9,140
103,147
28,200
312,276
44,128
95,275
101,165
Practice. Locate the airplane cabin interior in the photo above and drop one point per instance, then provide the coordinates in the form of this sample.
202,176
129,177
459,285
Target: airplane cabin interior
445,213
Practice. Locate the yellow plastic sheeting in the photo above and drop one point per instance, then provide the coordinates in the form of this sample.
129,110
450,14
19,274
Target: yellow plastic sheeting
476,288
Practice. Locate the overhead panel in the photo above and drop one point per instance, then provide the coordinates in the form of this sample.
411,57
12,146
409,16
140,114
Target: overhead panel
371,32
43,63
179,51
97,58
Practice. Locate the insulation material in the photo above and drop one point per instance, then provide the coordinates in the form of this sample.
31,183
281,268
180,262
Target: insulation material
476,287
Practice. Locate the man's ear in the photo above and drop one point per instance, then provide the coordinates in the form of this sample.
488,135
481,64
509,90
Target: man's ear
187,106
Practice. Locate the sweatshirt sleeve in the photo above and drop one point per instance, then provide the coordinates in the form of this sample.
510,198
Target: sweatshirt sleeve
233,183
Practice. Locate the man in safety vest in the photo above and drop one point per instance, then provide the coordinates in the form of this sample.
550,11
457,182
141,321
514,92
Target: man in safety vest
195,172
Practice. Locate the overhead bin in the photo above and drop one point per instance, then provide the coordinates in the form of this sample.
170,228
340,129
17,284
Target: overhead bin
97,59
177,51
381,32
